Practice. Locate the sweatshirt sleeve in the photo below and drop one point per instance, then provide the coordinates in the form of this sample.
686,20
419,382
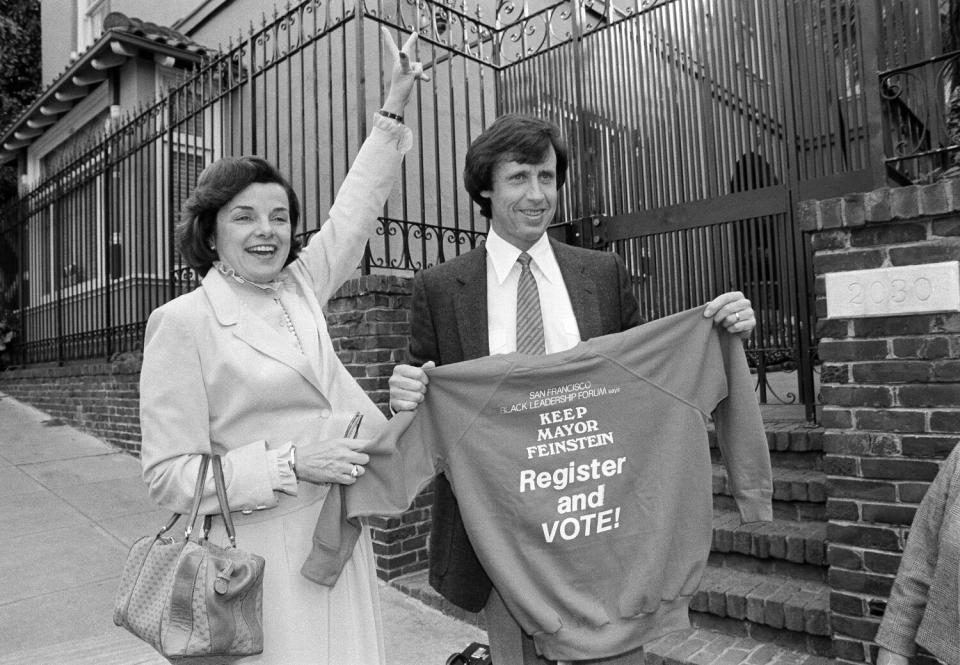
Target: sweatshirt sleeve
402,462
686,355
404,457
415,445
740,434
399,467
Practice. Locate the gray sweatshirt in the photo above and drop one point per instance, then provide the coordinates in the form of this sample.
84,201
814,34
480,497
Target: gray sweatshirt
584,477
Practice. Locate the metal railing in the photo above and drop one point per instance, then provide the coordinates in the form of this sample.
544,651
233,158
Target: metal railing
922,119
919,85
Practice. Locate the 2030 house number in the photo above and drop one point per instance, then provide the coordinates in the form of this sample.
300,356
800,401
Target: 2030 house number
894,291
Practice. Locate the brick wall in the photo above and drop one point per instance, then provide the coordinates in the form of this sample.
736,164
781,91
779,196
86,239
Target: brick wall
368,322
102,399
889,390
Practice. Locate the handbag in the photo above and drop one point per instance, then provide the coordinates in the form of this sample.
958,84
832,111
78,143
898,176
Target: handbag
191,598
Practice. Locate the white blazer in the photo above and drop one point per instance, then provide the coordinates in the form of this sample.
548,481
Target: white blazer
217,378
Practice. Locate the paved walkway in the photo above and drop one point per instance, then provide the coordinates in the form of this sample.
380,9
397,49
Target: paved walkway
70,506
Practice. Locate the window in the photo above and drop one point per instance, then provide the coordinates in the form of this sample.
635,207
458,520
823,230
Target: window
90,15
68,232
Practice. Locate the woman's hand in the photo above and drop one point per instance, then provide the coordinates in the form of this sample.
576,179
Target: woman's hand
330,460
406,72
734,312
885,657
408,386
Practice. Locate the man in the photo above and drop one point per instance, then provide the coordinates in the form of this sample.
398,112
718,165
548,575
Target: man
468,308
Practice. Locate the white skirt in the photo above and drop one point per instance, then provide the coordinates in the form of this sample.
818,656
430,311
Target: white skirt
305,623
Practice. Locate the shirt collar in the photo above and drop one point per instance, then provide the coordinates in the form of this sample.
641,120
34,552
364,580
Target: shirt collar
503,257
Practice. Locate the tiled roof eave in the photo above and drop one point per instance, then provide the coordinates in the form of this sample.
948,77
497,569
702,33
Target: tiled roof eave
113,48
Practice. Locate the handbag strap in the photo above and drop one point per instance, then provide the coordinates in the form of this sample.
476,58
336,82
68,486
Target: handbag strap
169,525
222,497
221,486
197,495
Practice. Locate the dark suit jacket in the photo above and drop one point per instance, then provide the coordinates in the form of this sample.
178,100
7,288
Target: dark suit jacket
450,324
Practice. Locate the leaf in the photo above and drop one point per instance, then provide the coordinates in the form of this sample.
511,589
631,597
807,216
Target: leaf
20,72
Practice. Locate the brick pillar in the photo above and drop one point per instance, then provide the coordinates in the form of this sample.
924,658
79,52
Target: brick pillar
890,389
369,324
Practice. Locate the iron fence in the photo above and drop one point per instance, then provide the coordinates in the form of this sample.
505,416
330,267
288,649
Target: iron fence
95,238
922,119
695,127
919,84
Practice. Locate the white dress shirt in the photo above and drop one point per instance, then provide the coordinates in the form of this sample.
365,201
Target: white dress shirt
560,331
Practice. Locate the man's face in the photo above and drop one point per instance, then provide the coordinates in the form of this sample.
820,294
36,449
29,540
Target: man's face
523,199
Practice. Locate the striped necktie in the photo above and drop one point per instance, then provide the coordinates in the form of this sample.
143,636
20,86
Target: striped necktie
529,321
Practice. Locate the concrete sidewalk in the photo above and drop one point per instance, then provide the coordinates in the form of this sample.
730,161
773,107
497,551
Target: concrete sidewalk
70,506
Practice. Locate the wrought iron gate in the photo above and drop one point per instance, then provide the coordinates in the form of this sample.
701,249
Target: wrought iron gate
697,126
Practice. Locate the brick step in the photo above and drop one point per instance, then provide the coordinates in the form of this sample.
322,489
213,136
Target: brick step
814,645
800,542
701,646
801,461
793,445
792,485
804,572
783,603
801,511
788,436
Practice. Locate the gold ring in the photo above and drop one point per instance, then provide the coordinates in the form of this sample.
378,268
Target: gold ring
355,471
737,314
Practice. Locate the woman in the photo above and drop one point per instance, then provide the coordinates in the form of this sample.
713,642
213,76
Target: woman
922,608
244,367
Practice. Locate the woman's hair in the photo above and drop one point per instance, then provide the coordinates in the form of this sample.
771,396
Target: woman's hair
511,138
219,183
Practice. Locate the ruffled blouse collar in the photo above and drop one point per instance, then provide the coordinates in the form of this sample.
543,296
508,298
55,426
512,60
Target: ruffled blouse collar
227,271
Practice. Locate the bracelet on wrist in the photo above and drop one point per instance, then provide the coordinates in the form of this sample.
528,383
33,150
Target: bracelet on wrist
392,116
293,460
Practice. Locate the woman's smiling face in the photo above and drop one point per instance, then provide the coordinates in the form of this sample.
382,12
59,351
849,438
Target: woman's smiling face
253,231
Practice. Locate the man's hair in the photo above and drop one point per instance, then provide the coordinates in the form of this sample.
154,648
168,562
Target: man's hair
511,138
220,182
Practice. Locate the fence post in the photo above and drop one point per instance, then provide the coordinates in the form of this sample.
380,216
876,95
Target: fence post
23,278
107,263
252,78
870,19
586,182
806,317
171,212
56,282
361,78
805,346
